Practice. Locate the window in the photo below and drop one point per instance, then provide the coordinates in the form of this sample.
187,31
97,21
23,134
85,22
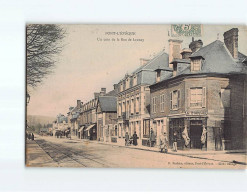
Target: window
134,80
158,76
119,109
154,104
121,87
132,106
137,105
197,97
196,65
175,99
162,103
225,98
127,83
123,107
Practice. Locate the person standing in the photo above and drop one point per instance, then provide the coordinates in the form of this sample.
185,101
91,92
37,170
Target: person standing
135,139
175,142
152,138
203,137
126,139
163,143
32,136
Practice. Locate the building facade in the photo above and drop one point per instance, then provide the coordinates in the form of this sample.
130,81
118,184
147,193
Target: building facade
203,96
133,98
106,110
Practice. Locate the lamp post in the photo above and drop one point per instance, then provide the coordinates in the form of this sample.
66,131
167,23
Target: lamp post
28,98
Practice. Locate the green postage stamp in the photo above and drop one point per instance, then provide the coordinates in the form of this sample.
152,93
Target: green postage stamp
188,30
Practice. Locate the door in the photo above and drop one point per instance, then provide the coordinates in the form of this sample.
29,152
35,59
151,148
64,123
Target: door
195,134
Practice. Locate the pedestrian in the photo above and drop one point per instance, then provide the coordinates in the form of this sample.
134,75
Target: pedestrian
175,142
135,139
203,137
152,138
126,139
32,136
163,143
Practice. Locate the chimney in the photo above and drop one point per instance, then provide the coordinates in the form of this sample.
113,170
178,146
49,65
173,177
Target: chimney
115,86
96,95
195,45
186,53
143,61
103,91
231,41
175,47
78,103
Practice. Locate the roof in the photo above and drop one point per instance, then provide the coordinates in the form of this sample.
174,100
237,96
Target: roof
108,103
161,60
217,59
111,93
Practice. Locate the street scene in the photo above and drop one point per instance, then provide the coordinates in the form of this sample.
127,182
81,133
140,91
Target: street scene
52,152
136,96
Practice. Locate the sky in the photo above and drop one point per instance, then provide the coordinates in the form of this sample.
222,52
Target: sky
88,63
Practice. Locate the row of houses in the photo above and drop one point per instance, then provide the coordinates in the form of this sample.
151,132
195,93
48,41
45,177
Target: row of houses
188,91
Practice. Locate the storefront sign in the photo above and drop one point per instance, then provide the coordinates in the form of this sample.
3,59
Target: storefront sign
196,112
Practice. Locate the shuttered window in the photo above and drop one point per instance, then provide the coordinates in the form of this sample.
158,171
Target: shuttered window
162,103
175,99
197,97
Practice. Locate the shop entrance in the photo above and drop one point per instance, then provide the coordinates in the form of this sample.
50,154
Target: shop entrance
195,134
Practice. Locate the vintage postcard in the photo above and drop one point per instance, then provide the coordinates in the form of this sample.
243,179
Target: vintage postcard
136,96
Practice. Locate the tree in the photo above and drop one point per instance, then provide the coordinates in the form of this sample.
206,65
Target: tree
43,43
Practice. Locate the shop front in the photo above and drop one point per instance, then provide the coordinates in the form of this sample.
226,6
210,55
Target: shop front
189,131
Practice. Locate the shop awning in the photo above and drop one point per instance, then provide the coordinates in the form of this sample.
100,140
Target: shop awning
81,129
89,127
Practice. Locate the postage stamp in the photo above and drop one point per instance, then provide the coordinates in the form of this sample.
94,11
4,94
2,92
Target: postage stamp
188,30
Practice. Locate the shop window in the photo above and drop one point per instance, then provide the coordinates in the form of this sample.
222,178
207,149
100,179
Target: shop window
225,98
226,129
146,128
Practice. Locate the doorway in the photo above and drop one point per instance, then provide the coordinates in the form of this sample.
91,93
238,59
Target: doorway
195,134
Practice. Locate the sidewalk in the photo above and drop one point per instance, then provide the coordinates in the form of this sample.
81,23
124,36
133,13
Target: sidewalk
37,157
232,156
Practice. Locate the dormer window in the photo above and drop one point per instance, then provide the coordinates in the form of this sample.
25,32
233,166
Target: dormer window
196,65
121,87
158,73
127,83
134,80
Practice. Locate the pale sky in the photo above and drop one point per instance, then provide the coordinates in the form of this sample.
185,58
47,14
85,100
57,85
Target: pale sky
85,64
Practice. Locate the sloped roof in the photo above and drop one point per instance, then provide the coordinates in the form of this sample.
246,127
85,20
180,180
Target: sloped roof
161,60
111,93
217,59
108,103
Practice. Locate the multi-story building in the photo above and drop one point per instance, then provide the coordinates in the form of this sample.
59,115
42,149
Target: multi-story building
106,110
60,124
88,120
204,95
73,114
133,97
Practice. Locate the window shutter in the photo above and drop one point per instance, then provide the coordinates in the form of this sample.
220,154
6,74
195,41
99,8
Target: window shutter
171,100
179,99
188,97
204,97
